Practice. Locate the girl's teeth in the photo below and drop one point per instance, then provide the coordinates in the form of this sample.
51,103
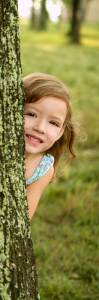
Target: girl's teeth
33,138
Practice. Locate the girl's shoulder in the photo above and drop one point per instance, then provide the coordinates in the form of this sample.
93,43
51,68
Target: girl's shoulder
47,161
44,166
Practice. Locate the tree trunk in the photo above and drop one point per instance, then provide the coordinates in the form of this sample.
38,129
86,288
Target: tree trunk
17,267
33,19
39,17
43,18
75,21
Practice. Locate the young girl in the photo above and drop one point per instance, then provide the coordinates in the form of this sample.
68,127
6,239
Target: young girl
48,132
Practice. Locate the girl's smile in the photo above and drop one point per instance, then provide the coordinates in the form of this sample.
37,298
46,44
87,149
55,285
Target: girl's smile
33,139
44,121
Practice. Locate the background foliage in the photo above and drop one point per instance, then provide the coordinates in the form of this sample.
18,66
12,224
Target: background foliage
65,228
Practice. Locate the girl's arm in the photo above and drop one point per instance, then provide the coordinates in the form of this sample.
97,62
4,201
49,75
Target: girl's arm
35,190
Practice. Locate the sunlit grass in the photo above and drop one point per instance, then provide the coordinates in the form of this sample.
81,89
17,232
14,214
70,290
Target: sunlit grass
91,42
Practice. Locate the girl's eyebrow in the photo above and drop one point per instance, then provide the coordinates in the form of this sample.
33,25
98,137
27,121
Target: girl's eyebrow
29,105
32,107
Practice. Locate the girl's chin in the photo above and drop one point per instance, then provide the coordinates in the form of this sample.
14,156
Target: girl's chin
30,149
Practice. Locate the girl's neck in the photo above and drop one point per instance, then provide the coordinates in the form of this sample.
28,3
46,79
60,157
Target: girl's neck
29,157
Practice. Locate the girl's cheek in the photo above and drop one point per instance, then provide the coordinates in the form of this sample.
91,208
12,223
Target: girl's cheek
28,122
54,134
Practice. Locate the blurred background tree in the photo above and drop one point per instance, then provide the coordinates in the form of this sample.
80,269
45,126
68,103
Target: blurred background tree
43,18
39,15
33,16
77,13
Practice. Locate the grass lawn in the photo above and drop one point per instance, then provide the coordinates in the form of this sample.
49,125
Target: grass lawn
65,228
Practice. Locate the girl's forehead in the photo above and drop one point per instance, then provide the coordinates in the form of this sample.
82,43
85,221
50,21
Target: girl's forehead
48,102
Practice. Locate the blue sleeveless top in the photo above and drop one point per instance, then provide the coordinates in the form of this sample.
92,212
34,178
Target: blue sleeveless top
46,162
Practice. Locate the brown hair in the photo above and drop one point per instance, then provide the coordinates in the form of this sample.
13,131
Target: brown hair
39,85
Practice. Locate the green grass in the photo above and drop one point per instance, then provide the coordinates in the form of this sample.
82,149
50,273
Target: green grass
65,228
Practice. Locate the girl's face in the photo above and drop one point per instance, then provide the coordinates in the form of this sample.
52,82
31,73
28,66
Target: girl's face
43,124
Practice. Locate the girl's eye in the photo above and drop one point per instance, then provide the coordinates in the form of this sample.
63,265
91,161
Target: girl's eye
55,123
31,114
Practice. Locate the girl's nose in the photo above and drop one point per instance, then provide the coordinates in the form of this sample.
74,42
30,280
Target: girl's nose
40,126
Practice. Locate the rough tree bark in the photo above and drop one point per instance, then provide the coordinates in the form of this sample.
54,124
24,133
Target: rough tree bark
17,267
